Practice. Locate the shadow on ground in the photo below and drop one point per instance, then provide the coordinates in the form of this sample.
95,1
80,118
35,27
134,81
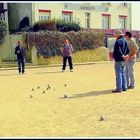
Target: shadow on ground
51,72
92,93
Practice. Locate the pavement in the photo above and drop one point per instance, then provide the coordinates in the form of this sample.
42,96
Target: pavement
13,66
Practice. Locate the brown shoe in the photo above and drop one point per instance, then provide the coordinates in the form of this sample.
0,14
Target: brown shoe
131,87
116,91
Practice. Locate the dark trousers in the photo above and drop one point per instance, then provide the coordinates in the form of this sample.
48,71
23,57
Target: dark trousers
65,61
21,65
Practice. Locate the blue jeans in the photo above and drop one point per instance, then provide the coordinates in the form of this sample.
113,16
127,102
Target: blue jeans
21,65
120,68
130,72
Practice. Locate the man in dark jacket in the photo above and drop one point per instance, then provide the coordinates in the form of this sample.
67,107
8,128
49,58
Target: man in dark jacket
20,52
120,54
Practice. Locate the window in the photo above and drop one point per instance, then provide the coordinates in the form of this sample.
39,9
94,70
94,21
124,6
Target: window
2,12
2,16
67,16
106,21
122,22
87,20
44,17
44,14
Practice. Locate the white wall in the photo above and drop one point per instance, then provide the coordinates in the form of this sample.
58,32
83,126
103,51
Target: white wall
135,16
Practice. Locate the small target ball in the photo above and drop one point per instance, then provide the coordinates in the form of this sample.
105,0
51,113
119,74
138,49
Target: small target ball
65,96
102,118
43,91
31,96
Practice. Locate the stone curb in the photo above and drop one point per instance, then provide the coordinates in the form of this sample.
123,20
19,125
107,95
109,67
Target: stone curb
55,65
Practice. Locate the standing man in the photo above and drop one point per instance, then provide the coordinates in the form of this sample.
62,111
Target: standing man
131,60
20,52
67,50
120,53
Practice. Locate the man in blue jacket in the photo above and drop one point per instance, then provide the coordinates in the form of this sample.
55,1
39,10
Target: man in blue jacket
20,52
120,54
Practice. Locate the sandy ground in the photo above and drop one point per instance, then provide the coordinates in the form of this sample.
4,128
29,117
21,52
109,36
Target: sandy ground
27,113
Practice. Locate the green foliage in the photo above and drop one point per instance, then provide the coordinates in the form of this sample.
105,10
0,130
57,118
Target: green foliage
3,31
49,25
48,43
13,31
24,23
26,29
63,26
59,25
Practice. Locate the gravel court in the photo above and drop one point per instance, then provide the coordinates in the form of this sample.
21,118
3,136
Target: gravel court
27,111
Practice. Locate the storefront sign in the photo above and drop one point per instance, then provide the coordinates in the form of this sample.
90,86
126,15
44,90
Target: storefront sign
89,7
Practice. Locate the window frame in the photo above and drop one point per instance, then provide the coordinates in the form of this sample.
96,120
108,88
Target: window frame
44,14
108,17
68,15
87,20
124,19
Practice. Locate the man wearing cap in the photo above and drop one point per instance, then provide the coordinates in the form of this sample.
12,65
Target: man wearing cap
120,54
131,60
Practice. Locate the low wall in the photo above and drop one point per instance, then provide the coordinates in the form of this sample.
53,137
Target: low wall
8,48
99,54
7,53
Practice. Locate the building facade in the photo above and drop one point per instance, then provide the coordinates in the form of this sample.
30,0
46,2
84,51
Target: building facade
95,15
90,15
